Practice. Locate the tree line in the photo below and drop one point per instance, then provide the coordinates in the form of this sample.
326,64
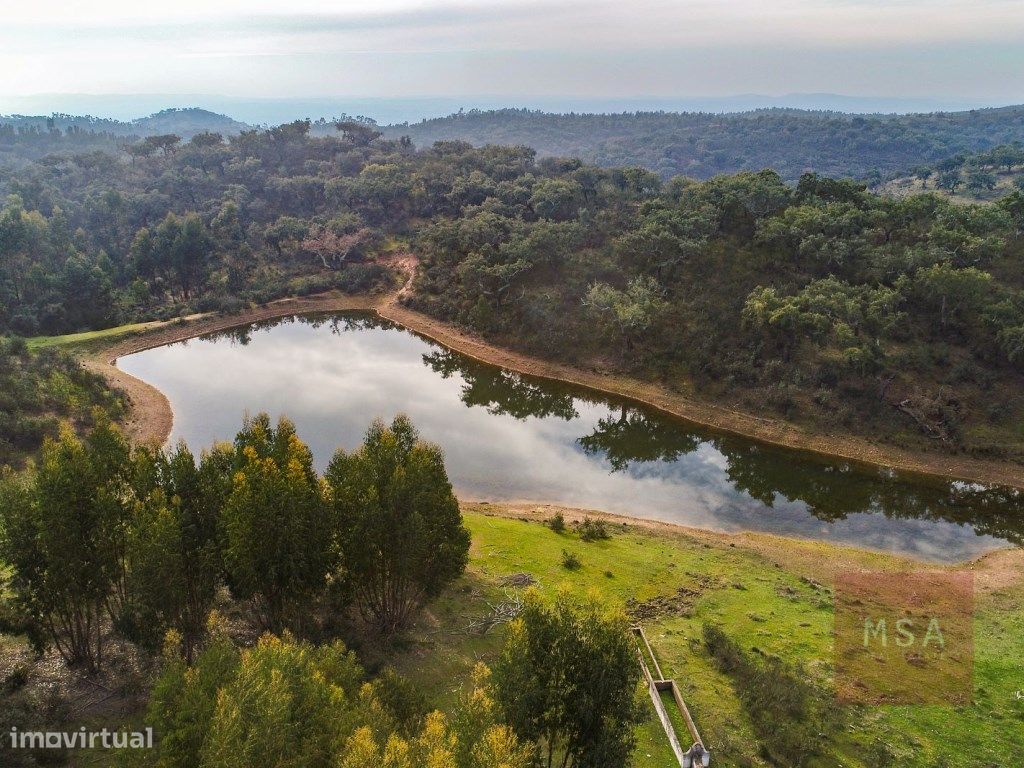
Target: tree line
101,535
822,302
102,538
702,145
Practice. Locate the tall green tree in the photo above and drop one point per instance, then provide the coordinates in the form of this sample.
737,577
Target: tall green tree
174,555
275,523
65,532
182,247
568,680
401,536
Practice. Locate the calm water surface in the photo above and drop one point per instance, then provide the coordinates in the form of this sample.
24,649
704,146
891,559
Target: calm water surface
508,437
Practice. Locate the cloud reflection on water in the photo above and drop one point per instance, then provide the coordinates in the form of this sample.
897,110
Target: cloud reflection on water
521,439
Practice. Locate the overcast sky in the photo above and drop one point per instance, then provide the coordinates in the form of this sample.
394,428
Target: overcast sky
400,48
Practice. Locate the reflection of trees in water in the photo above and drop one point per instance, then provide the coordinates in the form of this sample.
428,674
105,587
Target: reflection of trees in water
833,491
830,491
632,436
338,323
499,391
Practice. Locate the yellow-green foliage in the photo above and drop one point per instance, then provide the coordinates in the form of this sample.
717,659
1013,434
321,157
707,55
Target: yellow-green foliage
38,391
284,703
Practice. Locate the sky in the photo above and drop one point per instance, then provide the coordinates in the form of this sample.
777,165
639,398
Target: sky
929,49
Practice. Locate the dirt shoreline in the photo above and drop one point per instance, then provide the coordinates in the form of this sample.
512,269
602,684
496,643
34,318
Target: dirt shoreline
993,570
152,418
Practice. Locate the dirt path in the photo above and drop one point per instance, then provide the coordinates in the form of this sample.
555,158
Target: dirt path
152,417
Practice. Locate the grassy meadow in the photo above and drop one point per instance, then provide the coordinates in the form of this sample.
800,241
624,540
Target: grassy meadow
767,593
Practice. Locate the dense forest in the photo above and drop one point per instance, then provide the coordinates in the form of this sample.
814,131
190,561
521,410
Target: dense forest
701,145
822,302
819,301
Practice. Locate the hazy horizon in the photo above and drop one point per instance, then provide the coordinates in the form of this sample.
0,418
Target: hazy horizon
944,51
386,111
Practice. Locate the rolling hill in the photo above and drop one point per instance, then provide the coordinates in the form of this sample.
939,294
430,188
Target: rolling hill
702,145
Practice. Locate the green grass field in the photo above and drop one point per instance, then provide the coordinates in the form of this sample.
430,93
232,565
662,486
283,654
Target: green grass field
775,597
89,338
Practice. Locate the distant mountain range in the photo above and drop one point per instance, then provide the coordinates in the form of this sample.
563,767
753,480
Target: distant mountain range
274,111
183,122
696,144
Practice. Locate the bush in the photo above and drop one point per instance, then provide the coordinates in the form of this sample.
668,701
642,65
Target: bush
25,325
403,700
593,530
360,278
557,523
570,562
791,717
225,304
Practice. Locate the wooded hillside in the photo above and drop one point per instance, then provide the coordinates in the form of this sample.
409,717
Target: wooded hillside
702,145
822,302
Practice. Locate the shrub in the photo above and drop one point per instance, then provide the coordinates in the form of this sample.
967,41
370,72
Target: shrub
593,530
557,523
570,562
792,718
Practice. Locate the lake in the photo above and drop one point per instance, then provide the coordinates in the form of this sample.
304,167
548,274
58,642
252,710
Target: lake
508,437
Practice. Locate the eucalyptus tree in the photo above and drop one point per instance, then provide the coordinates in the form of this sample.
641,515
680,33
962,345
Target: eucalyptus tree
64,534
567,680
174,551
400,532
275,524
